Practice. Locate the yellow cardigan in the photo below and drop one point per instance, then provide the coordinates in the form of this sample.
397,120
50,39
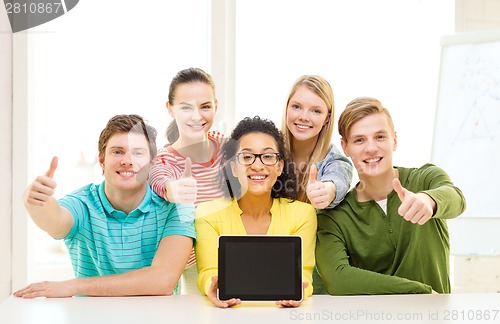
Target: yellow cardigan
222,217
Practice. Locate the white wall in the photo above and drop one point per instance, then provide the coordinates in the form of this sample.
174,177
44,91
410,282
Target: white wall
474,241
21,131
371,48
5,156
475,15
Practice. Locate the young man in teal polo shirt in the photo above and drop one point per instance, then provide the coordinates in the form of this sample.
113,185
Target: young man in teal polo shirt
123,239
389,234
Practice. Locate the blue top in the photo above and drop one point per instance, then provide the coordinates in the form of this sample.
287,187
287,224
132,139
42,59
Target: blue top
105,241
336,168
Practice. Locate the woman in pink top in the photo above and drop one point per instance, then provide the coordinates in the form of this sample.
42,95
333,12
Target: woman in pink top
185,169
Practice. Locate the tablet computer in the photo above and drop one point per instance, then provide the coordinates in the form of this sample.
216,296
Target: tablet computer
260,267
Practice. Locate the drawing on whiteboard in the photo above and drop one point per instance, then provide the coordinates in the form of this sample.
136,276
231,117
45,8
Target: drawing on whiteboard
480,83
467,126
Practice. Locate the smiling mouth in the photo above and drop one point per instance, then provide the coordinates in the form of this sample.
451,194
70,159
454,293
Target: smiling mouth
127,173
257,177
373,160
300,126
200,126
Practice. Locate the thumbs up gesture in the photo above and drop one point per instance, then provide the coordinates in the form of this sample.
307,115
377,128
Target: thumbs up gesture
417,208
320,194
183,190
42,189
187,169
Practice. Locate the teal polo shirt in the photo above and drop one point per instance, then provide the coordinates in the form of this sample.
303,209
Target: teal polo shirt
105,241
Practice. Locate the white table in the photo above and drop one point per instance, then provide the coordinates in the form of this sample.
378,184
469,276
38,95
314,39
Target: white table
454,308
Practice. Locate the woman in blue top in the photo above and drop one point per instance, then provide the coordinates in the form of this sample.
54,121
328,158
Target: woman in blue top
324,174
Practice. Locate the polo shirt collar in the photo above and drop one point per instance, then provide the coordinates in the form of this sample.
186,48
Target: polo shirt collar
143,207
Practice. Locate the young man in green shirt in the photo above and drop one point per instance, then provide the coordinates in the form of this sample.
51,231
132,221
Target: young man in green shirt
389,235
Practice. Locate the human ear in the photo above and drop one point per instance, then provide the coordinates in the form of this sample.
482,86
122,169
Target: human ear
101,162
343,143
233,169
281,164
327,120
169,109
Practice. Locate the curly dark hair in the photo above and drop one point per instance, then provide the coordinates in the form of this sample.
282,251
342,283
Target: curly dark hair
286,184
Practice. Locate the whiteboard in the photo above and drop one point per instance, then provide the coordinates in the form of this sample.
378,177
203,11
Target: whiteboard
466,141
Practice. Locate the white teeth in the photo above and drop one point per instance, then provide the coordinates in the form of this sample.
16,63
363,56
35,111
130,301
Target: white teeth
257,177
303,126
127,173
373,160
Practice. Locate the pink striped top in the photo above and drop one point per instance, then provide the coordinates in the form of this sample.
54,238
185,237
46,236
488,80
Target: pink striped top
169,165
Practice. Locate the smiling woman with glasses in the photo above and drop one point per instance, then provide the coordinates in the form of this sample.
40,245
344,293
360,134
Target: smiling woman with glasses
260,186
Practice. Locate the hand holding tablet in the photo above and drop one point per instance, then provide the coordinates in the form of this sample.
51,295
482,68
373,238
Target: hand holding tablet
213,295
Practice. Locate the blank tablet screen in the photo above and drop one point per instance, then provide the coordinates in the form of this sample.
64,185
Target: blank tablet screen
260,267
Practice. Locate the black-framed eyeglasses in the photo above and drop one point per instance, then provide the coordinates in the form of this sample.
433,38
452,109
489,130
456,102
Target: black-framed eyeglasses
247,158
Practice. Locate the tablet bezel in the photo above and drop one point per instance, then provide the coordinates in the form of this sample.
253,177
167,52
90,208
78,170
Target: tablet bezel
297,246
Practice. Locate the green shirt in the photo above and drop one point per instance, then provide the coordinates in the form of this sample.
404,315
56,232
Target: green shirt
362,250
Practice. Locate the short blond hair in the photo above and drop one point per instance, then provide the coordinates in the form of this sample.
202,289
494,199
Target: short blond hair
356,110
